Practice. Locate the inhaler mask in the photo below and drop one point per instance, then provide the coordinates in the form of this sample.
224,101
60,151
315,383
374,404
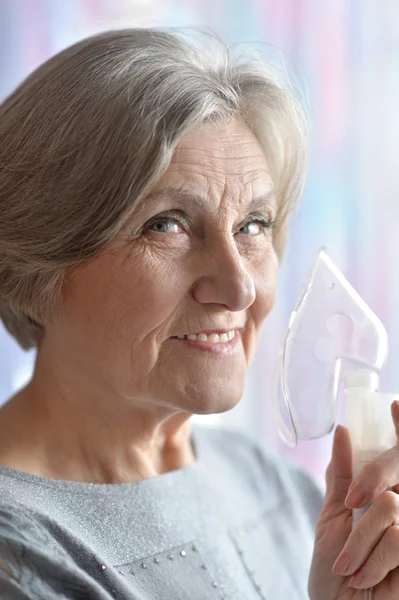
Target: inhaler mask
333,337
332,333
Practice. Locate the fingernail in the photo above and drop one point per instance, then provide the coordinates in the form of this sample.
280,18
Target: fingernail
355,496
356,580
341,565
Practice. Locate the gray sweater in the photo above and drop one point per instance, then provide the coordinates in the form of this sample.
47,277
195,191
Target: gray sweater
237,524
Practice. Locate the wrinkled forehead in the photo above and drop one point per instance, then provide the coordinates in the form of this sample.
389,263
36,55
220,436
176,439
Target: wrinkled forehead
219,160
231,145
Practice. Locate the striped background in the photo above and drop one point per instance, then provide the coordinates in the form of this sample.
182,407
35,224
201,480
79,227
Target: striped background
345,54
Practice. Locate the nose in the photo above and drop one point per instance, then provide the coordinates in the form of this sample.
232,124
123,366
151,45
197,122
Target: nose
224,279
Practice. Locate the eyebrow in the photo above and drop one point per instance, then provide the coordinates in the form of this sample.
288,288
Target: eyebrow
182,194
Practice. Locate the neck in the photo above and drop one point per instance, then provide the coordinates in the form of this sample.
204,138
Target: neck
75,433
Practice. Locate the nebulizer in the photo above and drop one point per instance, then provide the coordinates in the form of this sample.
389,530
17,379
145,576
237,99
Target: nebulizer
334,339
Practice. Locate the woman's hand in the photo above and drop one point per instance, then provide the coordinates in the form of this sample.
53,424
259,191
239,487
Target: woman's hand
346,562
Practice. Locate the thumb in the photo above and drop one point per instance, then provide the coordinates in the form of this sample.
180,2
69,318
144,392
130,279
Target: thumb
339,471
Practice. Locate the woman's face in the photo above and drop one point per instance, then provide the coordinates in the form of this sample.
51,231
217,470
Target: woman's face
196,258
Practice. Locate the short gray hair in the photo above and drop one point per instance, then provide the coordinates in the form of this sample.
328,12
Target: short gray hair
86,135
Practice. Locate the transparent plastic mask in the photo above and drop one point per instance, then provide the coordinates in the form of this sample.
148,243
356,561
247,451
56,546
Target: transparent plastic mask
330,329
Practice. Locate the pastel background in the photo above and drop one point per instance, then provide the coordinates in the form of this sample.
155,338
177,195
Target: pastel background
345,56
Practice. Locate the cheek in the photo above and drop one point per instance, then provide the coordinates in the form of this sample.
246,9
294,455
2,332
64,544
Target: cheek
123,297
266,279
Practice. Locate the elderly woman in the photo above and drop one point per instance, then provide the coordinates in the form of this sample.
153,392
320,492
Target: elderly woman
146,184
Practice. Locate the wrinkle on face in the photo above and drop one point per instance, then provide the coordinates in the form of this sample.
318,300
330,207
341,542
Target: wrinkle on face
129,384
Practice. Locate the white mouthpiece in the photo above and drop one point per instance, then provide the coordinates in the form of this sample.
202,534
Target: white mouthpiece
363,378
368,415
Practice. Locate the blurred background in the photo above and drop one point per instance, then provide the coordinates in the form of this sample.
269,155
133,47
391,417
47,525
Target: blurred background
344,54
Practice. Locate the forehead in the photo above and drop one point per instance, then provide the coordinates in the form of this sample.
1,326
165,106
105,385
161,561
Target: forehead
216,155
214,167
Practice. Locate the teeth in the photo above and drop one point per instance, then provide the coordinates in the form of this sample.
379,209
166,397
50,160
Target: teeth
212,338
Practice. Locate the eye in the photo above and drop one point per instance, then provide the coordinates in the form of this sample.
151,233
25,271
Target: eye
164,225
256,226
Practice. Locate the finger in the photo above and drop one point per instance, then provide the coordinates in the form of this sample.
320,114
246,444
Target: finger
395,416
370,529
383,559
339,471
377,476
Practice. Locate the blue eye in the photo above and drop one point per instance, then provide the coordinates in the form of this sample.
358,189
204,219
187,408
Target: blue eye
165,225
256,226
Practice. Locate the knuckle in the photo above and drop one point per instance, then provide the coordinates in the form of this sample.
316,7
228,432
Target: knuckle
389,502
359,540
372,473
375,561
376,565
391,537
383,559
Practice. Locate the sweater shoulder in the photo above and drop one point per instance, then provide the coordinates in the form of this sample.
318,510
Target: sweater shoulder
264,468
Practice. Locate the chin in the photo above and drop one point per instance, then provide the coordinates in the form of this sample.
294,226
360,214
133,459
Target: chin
209,404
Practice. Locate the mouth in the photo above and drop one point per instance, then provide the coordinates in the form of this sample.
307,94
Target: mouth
222,342
211,337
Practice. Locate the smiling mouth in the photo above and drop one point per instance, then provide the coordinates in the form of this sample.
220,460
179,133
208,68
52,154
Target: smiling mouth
211,338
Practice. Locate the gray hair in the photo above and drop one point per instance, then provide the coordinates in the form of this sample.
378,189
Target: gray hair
86,135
